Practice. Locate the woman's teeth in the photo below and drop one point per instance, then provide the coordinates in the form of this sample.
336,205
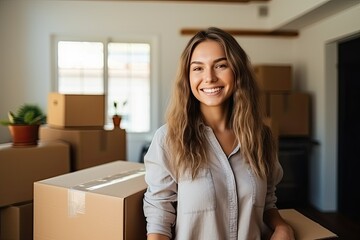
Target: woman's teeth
211,90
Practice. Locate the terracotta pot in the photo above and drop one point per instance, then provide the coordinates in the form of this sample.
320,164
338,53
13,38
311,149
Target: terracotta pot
116,120
24,135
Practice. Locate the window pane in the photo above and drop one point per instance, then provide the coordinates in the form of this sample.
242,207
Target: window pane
129,81
80,67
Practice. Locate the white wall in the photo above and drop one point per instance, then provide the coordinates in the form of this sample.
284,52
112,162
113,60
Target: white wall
316,65
26,28
294,10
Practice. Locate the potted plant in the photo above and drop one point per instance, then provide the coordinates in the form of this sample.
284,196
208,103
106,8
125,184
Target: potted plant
117,117
24,125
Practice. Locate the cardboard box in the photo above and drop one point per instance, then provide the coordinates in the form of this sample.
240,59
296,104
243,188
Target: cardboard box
71,110
20,167
89,147
17,222
102,202
273,125
292,112
305,228
274,78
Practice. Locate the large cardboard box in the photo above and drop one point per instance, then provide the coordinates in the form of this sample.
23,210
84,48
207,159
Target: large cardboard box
89,147
20,167
72,110
102,202
305,228
274,78
292,112
17,222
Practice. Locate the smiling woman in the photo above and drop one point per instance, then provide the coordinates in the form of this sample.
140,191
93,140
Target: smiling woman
201,184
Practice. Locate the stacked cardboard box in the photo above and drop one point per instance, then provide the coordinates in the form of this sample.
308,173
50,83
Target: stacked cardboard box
16,222
288,110
101,202
78,111
79,120
20,167
288,114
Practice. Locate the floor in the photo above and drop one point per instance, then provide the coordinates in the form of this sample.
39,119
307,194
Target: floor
339,224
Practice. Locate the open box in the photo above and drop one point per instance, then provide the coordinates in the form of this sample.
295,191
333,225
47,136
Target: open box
305,228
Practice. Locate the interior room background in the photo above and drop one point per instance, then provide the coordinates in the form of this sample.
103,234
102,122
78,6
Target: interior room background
26,52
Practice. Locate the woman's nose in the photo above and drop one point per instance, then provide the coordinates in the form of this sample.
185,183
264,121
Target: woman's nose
210,76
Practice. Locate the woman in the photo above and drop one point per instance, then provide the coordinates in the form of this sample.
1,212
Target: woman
212,168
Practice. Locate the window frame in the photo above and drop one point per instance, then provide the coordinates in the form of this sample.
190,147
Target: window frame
152,40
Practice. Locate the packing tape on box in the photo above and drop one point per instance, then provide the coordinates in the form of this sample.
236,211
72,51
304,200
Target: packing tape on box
76,202
76,194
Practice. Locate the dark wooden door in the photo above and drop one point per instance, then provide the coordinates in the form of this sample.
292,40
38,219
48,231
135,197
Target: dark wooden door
349,128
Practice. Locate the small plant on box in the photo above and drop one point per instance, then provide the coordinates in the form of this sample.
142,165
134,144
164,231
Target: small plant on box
24,124
117,117
115,104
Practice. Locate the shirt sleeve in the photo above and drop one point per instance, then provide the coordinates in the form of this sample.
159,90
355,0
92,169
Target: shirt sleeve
161,195
274,179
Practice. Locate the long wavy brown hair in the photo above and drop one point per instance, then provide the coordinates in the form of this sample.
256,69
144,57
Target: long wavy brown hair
185,135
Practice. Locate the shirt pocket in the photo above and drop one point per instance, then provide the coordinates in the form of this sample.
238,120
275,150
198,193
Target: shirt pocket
196,195
259,189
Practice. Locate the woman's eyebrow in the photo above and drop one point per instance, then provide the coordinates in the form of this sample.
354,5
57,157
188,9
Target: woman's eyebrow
220,59
215,61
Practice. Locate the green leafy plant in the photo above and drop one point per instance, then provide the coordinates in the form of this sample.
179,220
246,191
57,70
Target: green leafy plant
27,114
115,108
115,104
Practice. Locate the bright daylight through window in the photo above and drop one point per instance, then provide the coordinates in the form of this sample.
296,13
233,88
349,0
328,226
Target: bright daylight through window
123,76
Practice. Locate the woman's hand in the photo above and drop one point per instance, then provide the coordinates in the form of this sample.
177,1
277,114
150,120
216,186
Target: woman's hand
281,229
283,232
155,236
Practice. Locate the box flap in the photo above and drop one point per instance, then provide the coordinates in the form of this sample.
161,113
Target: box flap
104,179
305,228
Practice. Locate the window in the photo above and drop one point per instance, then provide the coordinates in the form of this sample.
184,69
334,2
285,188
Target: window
80,67
120,70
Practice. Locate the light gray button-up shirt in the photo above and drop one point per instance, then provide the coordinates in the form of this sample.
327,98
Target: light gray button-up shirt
225,201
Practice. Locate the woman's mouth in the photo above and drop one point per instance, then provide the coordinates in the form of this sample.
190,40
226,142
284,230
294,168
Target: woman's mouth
212,91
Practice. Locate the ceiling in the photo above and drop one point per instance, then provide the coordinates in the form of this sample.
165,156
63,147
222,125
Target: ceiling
217,1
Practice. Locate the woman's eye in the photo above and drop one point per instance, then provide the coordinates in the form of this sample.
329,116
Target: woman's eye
221,66
197,68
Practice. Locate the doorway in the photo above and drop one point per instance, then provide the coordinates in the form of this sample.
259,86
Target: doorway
349,128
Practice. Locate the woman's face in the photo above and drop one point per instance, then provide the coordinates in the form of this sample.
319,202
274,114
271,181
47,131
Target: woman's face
211,78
